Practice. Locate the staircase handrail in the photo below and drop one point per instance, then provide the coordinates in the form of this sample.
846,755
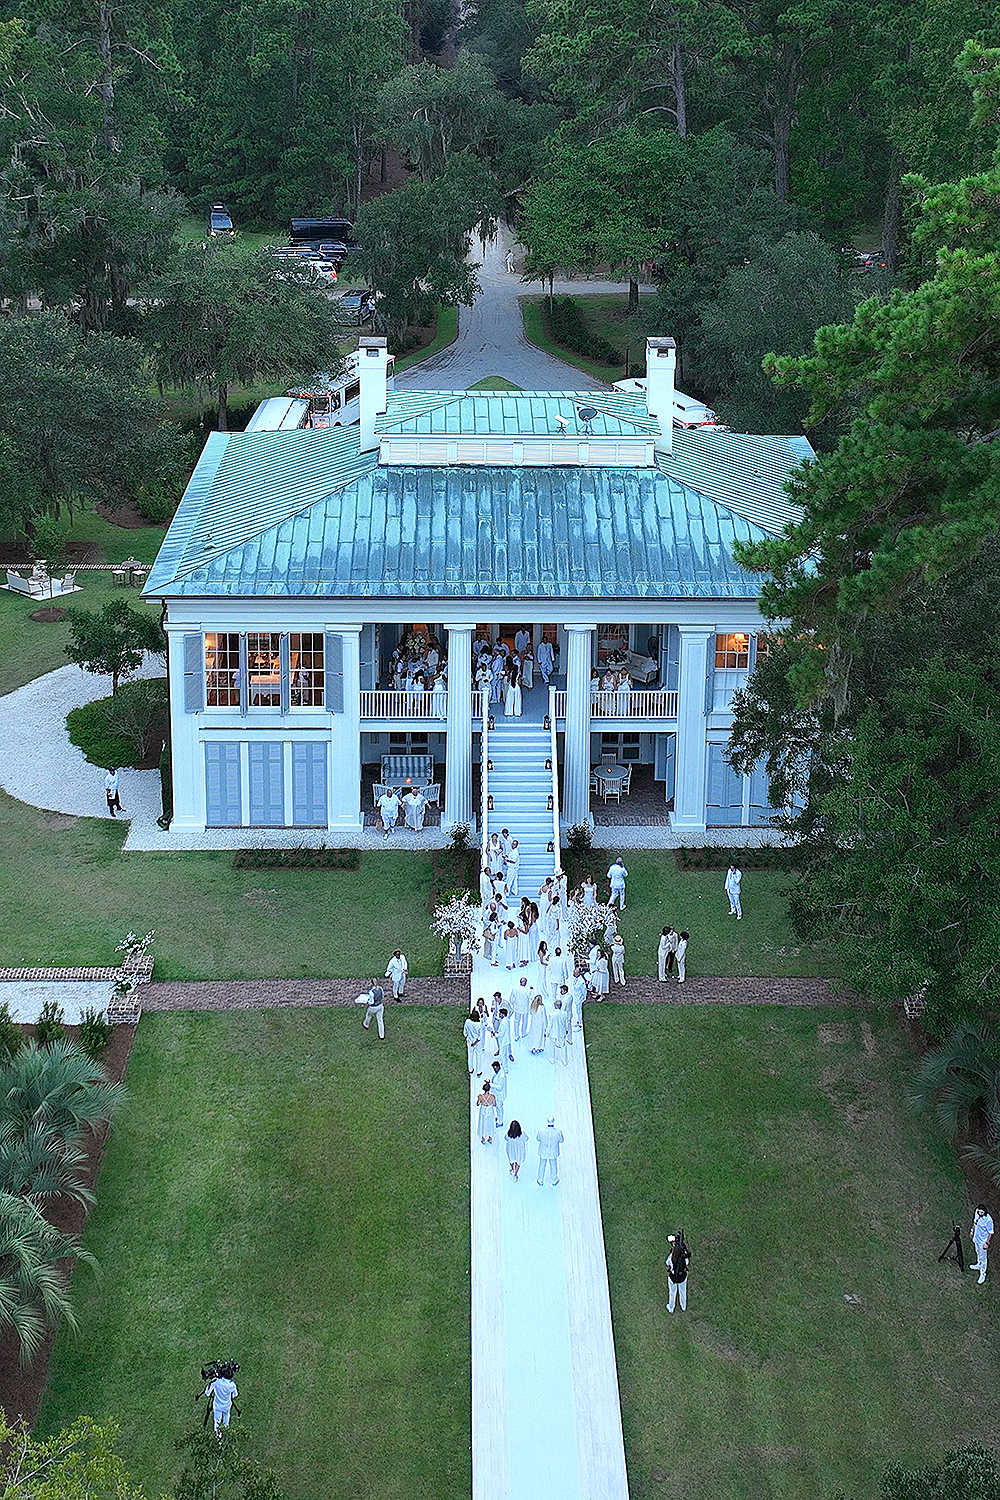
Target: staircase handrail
484,790
555,780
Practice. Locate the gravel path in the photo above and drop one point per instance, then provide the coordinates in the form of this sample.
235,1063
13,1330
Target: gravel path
270,994
491,337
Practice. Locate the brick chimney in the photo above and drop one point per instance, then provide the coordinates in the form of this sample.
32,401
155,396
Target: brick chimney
373,362
661,358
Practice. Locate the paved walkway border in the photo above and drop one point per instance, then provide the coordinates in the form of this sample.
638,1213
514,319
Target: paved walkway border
266,994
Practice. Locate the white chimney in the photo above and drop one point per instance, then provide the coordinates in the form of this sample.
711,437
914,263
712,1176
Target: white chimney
373,363
661,357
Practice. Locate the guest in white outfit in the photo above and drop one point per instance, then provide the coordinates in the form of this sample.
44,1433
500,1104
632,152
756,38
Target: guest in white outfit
593,958
682,948
486,885
734,880
484,679
588,892
494,850
566,1002
623,695
601,984
510,946
578,989
498,1087
536,1025
513,867
415,803
512,694
504,1041
491,939
617,875
439,695
618,958
396,972
523,942
374,1002
561,887
522,640
527,668
677,1271
662,952
515,1147
388,806
542,957
549,1140
558,1033
982,1233
545,657
520,999
473,1033
560,965
487,1104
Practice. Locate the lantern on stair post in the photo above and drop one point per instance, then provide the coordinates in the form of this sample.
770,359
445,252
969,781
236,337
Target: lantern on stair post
550,847
492,723
489,765
548,763
489,802
546,722
551,803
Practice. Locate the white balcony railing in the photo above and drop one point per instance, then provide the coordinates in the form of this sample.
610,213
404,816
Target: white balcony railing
641,703
389,703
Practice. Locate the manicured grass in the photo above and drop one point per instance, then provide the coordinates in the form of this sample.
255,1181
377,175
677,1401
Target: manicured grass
75,894
285,1190
695,901
822,1339
495,383
607,317
72,895
447,333
28,648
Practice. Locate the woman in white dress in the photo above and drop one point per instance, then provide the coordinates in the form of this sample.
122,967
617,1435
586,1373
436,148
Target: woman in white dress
494,851
473,1033
491,940
487,1114
486,885
416,806
439,696
509,946
624,694
609,683
531,911
527,668
554,919
536,1025
484,679
542,956
601,978
588,892
499,661
515,1147
523,951
512,696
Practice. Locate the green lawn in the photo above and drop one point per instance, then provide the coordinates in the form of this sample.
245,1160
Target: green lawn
608,317
495,383
821,1339
286,1190
28,648
76,894
447,333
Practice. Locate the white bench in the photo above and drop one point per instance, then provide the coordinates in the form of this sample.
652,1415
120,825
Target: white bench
34,588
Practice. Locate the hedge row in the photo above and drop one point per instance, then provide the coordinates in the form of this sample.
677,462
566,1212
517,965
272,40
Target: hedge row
303,857
566,325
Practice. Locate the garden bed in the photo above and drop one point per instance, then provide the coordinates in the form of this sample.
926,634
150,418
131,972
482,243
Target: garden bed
716,857
300,858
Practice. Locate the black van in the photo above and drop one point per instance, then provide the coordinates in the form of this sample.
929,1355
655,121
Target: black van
317,234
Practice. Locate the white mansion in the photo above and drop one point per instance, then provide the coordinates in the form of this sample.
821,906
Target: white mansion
297,560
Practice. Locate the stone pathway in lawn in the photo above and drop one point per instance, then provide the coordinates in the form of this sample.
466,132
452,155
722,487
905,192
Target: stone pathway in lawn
264,994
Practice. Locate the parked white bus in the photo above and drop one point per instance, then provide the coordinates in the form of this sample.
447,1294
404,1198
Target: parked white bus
687,411
335,401
280,414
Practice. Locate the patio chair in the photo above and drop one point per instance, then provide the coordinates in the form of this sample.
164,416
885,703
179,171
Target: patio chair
595,785
433,792
613,788
378,790
610,759
627,781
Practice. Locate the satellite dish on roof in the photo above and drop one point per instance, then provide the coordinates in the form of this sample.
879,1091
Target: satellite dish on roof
586,415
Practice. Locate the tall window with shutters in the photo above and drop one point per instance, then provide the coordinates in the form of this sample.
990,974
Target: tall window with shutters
306,670
222,669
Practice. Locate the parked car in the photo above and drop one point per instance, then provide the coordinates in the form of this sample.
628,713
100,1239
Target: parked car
869,260
317,234
220,224
359,303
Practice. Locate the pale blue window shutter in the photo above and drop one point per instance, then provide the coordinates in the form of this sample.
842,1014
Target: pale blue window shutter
267,784
309,785
285,668
194,673
761,810
223,808
334,672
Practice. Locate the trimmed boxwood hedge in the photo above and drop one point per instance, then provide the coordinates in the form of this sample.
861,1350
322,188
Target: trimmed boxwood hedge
716,857
565,324
302,857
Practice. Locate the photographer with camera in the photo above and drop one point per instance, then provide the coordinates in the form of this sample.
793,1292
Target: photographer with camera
677,1270
221,1388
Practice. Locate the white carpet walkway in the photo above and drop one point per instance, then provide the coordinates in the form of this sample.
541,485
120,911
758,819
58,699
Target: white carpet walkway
546,1419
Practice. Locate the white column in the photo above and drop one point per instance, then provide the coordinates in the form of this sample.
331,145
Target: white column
458,771
692,755
576,754
187,755
344,770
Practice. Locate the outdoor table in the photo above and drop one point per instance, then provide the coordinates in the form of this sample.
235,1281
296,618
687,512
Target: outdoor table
407,770
608,775
136,575
119,578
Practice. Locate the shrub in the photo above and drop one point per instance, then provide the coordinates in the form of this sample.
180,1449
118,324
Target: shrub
166,787
302,857
11,1035
96,1032
460,838
566,324
579,840
156,503
121,730
50,1026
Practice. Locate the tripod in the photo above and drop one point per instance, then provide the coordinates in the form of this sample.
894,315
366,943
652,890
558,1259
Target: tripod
954,1245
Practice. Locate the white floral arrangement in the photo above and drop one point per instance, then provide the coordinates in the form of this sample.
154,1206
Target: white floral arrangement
458,920
133,950
585,925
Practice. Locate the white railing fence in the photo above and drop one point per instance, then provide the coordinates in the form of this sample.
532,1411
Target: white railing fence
389,703
641,703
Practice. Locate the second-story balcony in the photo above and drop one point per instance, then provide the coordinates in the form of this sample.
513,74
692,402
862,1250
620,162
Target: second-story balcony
640,703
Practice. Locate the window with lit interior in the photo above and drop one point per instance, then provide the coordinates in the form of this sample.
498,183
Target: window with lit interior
222,670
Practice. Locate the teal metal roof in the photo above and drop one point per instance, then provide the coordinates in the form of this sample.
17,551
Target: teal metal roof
462,532
514,414
245,483
745,472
